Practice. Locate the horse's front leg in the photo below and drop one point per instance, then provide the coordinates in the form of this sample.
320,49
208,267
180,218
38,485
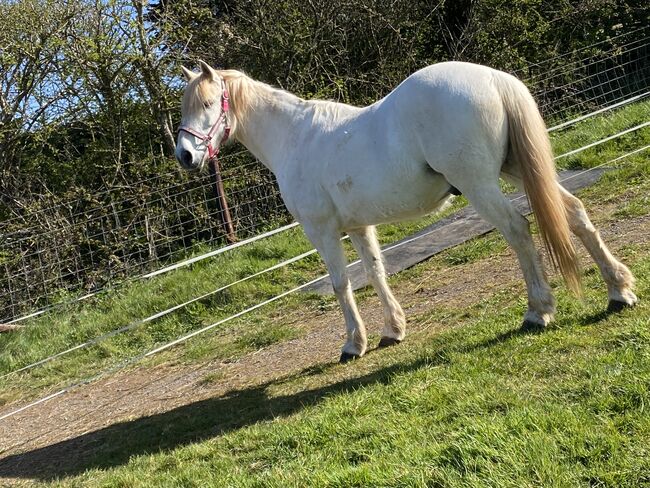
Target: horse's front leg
328,243
365,242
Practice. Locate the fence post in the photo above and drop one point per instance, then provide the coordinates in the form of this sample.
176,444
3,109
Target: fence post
222,203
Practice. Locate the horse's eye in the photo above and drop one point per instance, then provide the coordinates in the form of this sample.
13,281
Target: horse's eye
208,104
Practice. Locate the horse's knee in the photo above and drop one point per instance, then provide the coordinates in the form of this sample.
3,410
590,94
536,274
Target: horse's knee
516,231
340,284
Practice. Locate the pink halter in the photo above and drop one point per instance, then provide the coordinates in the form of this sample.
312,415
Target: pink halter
213,151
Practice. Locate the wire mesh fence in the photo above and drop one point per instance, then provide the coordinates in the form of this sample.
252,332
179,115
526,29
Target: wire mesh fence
82,245
566,87
57,250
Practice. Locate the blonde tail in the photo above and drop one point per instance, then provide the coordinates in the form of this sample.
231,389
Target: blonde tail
530,150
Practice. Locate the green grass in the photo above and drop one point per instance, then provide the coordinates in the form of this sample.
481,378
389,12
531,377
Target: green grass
477,404
600,127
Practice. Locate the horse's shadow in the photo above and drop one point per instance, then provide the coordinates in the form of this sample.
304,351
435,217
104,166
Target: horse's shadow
114,445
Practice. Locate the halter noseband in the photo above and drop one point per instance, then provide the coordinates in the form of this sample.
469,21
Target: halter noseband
213,152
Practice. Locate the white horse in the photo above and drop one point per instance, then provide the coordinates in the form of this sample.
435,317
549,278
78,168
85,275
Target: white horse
449,127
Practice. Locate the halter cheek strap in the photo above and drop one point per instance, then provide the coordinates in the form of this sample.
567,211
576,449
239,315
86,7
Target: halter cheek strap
213,151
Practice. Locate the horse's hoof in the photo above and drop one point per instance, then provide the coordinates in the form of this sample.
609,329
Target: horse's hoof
530,326
346,357
615,306
388,341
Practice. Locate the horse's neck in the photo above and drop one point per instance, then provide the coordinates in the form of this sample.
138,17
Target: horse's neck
270,125
276,121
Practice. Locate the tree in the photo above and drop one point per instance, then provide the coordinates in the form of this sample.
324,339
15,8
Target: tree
32,90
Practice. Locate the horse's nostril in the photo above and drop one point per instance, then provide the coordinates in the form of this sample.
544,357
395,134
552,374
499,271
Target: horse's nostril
186,158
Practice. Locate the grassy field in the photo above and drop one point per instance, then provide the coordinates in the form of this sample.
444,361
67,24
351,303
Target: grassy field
478,405
469,403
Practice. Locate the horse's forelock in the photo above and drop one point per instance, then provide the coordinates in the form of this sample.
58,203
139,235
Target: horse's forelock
197,92
241,89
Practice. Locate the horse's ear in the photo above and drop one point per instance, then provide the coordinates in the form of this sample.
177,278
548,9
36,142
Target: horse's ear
189,75
207,71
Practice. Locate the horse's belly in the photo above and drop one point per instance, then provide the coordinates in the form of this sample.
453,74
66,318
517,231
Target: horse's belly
401,199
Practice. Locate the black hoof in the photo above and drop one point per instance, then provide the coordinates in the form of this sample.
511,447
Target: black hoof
346,357
388,341
530,326
615,306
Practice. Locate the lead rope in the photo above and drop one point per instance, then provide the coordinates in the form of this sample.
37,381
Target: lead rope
222,203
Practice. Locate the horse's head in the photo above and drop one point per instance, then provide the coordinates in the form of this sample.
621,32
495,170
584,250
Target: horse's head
205,118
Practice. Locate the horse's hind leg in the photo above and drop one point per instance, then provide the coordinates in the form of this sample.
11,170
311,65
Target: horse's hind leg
616,275
493,206
365,242
328,243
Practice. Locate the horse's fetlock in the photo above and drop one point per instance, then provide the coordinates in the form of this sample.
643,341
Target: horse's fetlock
395,324
357,347
542,319
623,295
542,304
617,275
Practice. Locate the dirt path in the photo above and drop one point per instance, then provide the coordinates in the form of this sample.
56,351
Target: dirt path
60,437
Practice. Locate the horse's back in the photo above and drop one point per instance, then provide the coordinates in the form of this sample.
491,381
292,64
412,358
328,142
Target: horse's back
451,82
